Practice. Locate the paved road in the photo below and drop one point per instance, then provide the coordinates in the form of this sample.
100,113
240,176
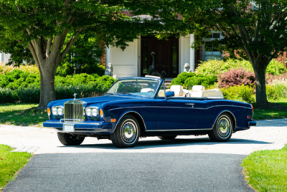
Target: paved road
186,164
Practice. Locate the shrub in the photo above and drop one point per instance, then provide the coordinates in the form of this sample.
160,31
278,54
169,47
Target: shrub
4,69
236,77
8,96
200,80
216,67
270,78
278,88
29,95
239,93
181,78
276,68
67,68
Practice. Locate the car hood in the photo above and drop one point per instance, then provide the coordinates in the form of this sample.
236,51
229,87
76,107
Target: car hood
95,100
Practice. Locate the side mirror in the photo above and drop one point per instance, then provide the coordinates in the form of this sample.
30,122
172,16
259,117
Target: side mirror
170,94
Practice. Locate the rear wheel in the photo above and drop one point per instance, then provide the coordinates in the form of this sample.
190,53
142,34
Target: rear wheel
127,132
68,139
222,129
171,137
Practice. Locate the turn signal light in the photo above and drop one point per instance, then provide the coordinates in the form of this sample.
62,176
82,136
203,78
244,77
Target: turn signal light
113,120
101,113
49,111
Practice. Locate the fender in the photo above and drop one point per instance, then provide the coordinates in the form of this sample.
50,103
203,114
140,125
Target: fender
130,111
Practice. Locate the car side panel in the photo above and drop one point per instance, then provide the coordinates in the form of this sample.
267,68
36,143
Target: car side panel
207,114
148,110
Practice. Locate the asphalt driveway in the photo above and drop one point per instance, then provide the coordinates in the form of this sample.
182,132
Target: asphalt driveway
186,164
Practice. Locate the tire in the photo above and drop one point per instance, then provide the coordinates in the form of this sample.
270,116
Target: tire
68,139
171,137
222,129
127,132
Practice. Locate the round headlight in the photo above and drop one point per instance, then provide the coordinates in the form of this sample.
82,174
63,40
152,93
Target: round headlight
95,112
55,111
88,112
60,111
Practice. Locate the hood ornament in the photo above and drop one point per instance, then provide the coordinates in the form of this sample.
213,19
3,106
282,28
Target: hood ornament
75,95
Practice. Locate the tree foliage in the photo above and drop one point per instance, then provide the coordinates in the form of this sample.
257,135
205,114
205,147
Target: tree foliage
253,29
43,26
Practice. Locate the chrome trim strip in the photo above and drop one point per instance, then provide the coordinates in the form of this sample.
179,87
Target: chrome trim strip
179,107
224,112
203,129
127,113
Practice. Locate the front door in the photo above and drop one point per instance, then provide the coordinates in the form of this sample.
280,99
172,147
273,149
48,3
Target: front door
165,58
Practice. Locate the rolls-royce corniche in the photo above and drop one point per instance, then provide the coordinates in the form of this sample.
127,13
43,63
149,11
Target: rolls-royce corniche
137,107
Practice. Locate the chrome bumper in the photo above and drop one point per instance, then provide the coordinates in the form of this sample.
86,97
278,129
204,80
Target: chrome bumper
85,126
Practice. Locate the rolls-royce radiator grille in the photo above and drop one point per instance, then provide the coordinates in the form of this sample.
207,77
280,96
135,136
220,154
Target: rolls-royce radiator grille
73,112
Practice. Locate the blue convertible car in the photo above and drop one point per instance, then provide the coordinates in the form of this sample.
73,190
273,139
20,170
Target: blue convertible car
140,107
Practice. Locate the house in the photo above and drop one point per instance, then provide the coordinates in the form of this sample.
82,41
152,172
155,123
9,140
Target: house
4,57
170,55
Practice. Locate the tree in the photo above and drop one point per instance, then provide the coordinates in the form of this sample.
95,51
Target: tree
84,56
42,27
255,30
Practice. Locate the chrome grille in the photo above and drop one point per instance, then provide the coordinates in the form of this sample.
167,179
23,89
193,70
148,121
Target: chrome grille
73,111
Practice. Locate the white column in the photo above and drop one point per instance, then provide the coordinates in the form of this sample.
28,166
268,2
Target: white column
108,59
192,56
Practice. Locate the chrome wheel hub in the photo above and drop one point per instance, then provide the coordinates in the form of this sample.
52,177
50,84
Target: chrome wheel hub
129,132
224,127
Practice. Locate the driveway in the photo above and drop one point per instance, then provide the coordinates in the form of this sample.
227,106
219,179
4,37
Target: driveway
188,163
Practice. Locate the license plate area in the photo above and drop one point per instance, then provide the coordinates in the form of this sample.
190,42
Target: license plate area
68,128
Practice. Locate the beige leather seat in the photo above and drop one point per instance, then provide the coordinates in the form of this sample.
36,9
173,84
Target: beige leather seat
144,90
178,90
197,91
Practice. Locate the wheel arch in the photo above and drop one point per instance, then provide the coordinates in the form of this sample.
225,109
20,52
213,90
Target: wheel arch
138,117
232,116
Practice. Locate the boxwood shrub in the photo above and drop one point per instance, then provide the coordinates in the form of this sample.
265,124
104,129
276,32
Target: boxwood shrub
187,80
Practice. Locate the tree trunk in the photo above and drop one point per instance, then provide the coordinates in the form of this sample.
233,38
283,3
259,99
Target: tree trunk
47,93
260,71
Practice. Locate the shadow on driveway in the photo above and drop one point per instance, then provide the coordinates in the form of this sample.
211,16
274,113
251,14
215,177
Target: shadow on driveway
144,144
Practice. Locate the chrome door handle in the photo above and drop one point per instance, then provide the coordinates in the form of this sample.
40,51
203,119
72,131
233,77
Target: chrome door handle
192,104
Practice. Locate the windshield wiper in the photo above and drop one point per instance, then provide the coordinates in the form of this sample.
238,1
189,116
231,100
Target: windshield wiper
109,94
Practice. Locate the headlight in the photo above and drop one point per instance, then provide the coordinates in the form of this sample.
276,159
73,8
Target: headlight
92,112
58,110
54,110
88,112
95,112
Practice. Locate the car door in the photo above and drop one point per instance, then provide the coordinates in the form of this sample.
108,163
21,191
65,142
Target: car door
177,114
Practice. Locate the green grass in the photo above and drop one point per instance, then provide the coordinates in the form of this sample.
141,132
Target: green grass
16,114
267,170
10,164
260,114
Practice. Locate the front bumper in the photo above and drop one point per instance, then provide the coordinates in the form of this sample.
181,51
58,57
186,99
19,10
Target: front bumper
101,127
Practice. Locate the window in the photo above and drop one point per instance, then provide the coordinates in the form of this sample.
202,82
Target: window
210,51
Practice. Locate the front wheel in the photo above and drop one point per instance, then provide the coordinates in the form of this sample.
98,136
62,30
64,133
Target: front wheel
68,139
127,132
222,130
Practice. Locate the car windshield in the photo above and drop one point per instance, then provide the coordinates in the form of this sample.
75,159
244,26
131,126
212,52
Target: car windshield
141,87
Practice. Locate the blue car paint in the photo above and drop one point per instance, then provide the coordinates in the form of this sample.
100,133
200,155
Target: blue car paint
158,114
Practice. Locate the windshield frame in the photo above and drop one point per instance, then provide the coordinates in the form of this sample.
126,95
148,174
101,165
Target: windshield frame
139,78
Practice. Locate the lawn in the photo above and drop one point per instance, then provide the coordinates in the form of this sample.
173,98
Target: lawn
22,114
10,164
260,114
267,170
